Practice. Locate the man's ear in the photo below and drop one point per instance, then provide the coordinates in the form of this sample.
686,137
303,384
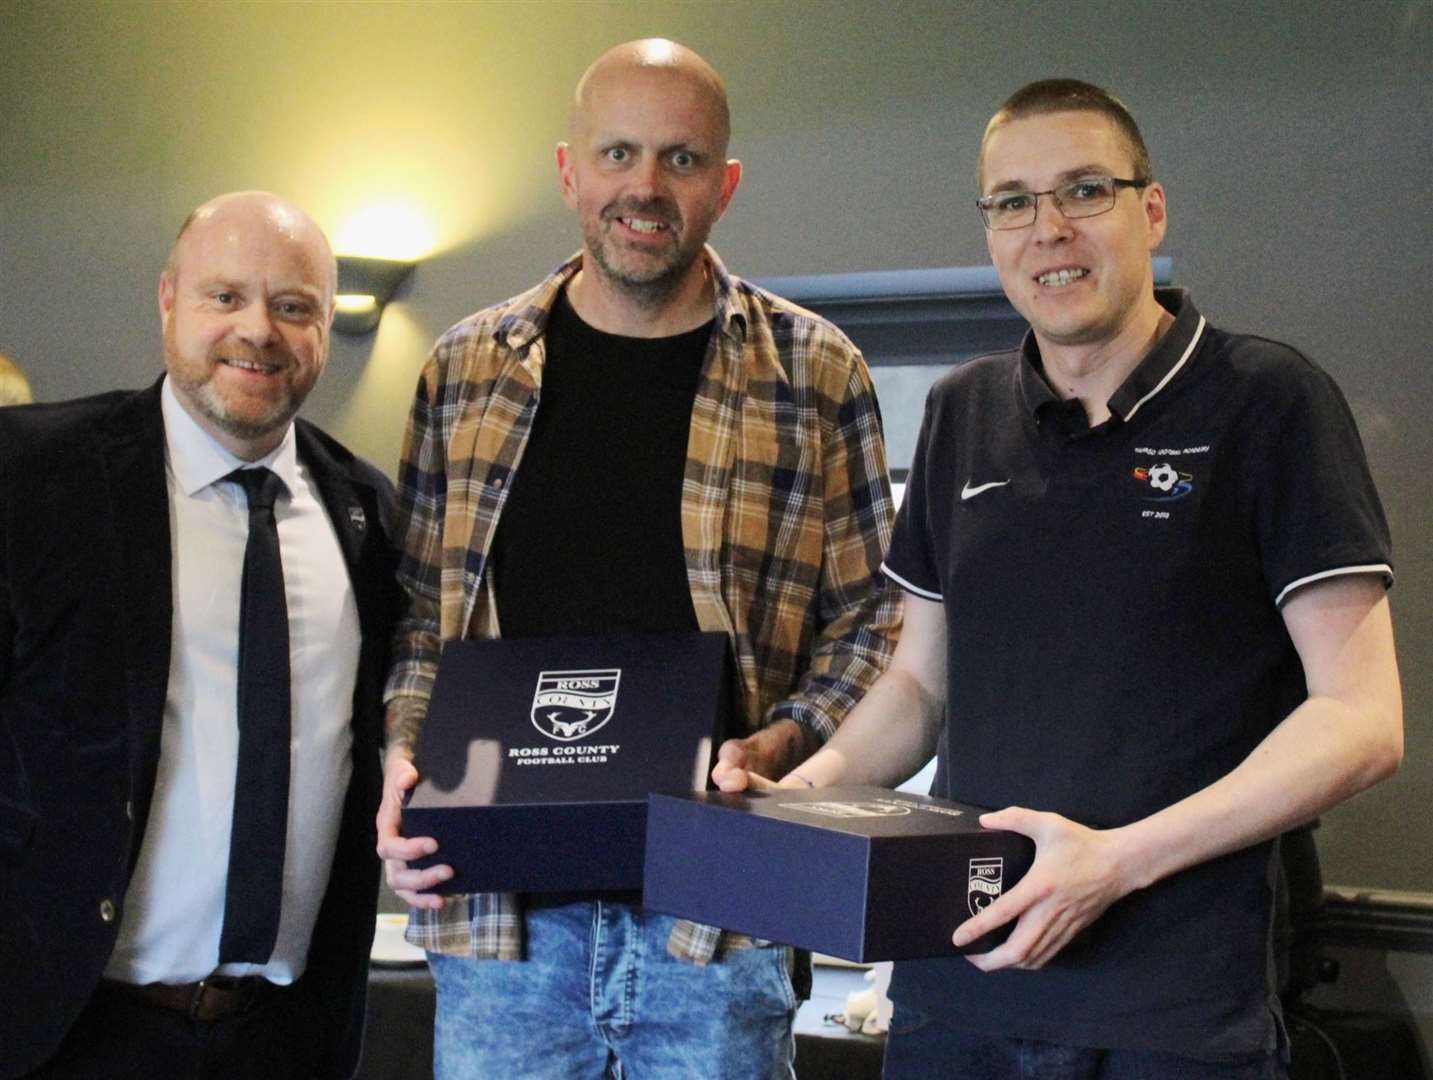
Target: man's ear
1156,214
729,181
166,296
566,183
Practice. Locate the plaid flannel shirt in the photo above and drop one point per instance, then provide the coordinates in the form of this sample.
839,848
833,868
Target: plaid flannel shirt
786,514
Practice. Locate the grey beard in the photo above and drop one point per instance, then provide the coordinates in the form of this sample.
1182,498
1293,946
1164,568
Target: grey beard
647,290
212,406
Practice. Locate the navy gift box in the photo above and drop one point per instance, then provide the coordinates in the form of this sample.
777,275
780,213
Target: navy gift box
538,754
861,873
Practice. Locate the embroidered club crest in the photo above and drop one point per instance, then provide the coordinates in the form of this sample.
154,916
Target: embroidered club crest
571,705
984,883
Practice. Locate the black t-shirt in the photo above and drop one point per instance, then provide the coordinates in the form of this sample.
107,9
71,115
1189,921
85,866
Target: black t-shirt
590,540
1115,644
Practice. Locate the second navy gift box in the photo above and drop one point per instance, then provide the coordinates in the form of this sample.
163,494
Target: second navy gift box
861,873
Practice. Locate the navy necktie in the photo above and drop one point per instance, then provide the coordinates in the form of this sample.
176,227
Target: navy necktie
261,784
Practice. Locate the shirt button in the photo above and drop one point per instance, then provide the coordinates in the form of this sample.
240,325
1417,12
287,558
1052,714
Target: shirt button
106,911
498,483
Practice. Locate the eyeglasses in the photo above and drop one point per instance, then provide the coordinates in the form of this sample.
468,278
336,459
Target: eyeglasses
1082,198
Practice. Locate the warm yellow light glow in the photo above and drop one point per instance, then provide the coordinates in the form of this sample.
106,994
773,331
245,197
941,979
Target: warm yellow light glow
389,229
355,303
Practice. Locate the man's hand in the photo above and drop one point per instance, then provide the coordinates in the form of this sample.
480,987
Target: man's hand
1075,877
772,751
394,849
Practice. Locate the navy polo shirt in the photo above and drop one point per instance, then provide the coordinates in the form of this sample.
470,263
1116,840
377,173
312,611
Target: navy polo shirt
1115,644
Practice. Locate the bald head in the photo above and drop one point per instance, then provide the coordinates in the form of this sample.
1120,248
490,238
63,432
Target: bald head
647,172
245,211
626,65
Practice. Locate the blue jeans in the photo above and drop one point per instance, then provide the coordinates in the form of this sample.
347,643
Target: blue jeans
922,1049
600,997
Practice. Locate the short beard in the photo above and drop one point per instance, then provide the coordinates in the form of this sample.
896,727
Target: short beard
205,398
208,402
649,290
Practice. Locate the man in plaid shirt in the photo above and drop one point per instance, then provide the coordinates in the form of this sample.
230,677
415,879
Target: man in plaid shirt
642,442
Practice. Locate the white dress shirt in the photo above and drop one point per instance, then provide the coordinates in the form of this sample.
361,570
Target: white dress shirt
174,909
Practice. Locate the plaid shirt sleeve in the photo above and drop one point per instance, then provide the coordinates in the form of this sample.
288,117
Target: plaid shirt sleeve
484,925
858,613
466,390
817,621
422,493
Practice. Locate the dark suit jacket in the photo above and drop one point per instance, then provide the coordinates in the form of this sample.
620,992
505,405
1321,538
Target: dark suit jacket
85,623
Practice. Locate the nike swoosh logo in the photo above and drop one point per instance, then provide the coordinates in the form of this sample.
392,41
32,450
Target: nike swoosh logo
969,492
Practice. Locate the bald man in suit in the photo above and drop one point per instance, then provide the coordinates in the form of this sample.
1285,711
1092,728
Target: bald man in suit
124,528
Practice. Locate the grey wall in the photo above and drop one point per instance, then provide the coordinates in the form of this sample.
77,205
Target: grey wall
1294,139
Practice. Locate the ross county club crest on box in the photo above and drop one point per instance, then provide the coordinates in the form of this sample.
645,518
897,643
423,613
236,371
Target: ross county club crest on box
984,883
571,705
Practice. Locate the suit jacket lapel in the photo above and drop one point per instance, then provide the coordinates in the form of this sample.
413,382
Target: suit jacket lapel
345,507
132,464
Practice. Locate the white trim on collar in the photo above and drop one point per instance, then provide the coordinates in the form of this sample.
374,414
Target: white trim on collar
1188,351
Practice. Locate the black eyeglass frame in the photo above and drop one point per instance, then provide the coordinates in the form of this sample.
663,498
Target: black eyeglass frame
985,202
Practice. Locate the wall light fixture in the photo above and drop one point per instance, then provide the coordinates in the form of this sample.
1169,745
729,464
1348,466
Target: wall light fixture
364,287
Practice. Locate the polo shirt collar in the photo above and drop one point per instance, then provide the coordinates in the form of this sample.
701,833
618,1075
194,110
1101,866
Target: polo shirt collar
1151,377
1166,360
198,460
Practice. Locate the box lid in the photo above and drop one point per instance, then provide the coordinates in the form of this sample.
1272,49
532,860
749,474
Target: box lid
855,810
585,719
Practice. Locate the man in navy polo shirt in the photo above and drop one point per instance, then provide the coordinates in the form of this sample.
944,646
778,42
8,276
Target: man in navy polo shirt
1145,571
